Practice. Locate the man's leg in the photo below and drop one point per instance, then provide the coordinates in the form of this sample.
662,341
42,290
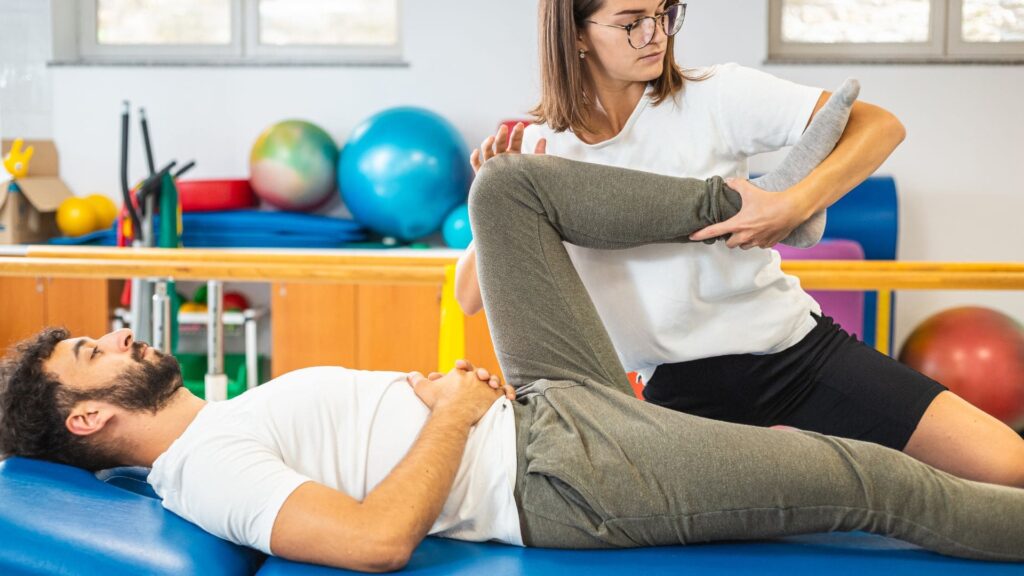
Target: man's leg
604,470
598,468
543,323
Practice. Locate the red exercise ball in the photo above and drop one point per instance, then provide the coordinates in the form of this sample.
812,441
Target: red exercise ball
977,353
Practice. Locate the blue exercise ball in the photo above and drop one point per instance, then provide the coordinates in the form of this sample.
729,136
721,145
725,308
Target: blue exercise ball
457,233
403,171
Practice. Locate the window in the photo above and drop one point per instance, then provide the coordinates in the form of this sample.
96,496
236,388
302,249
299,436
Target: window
896,30
242,31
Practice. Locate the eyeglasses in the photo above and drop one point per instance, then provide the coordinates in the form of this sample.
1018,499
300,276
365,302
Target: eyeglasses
641,32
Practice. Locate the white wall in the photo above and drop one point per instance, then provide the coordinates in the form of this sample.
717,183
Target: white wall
25,95
475,63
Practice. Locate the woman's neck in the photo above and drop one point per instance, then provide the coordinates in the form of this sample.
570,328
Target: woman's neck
614,103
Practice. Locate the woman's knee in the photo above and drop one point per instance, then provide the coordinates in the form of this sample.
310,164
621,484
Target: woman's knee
1008,470
959,438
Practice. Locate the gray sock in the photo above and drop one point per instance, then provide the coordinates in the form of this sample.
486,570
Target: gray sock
815,145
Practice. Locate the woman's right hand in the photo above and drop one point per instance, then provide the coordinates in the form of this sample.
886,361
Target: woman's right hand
500,143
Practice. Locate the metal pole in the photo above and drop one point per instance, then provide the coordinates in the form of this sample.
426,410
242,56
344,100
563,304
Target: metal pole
161,318
216,380
251,351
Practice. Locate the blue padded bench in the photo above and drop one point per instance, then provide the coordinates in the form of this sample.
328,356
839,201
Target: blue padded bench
870,215
60,520
57,519
853,554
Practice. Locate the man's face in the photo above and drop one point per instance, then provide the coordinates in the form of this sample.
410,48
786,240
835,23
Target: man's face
116,369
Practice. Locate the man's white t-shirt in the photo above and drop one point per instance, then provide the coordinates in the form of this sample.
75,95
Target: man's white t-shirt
668,303
238,461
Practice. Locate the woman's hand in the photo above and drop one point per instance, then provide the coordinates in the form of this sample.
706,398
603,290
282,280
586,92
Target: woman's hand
763,221
501,144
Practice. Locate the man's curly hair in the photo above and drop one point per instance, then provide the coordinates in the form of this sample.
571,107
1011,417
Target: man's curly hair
34,406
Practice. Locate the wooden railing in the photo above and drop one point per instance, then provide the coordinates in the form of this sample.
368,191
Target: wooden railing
382,267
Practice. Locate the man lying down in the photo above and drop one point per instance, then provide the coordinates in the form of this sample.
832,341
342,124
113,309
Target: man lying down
353,469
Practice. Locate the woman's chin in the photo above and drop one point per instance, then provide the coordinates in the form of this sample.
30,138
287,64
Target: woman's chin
653,71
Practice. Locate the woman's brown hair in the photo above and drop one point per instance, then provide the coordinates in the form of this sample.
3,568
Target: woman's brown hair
565,103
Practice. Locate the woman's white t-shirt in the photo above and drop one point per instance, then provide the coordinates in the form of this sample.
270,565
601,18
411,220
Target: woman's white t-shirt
238,461
668,303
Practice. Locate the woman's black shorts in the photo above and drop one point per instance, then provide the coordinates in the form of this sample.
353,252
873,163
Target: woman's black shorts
830,382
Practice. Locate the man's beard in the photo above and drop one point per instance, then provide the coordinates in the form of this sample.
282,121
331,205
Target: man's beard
145,386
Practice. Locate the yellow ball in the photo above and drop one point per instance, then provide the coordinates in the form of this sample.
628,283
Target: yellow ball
105,209
192,307
76,216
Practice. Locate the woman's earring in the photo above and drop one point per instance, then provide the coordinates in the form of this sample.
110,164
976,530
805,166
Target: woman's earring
583,54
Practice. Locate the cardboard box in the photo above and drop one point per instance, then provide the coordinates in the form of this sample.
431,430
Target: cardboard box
28,205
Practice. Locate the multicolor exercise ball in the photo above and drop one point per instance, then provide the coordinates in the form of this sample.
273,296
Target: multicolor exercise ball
292,166
456,230
978,353
403,171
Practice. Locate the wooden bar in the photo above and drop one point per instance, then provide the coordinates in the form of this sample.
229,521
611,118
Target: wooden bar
374,268
358,257
431,258
207,270
883,322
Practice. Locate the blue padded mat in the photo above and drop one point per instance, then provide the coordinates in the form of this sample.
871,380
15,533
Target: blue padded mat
61,520
270,222
869,214
853,554
248,229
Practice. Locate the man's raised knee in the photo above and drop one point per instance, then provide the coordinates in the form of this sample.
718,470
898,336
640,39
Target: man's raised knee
493,183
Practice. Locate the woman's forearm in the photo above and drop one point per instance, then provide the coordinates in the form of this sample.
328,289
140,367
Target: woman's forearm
870,137
467,286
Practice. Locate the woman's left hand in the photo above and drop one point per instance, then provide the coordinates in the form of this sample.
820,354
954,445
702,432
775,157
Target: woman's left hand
764,219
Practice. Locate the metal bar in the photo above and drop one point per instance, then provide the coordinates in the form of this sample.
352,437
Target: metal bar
161,318
251,351
216,381
215,327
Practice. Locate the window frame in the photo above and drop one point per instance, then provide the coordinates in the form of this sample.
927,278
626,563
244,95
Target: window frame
244,47
945,44
306,52
962,49
90,48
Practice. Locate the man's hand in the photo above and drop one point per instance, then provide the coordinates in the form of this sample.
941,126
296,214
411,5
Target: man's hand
469,390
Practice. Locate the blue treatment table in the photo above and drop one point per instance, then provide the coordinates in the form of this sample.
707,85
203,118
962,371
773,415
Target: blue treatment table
852,554
60,520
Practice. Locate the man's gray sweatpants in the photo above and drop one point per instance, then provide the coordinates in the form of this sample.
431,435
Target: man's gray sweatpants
598,468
